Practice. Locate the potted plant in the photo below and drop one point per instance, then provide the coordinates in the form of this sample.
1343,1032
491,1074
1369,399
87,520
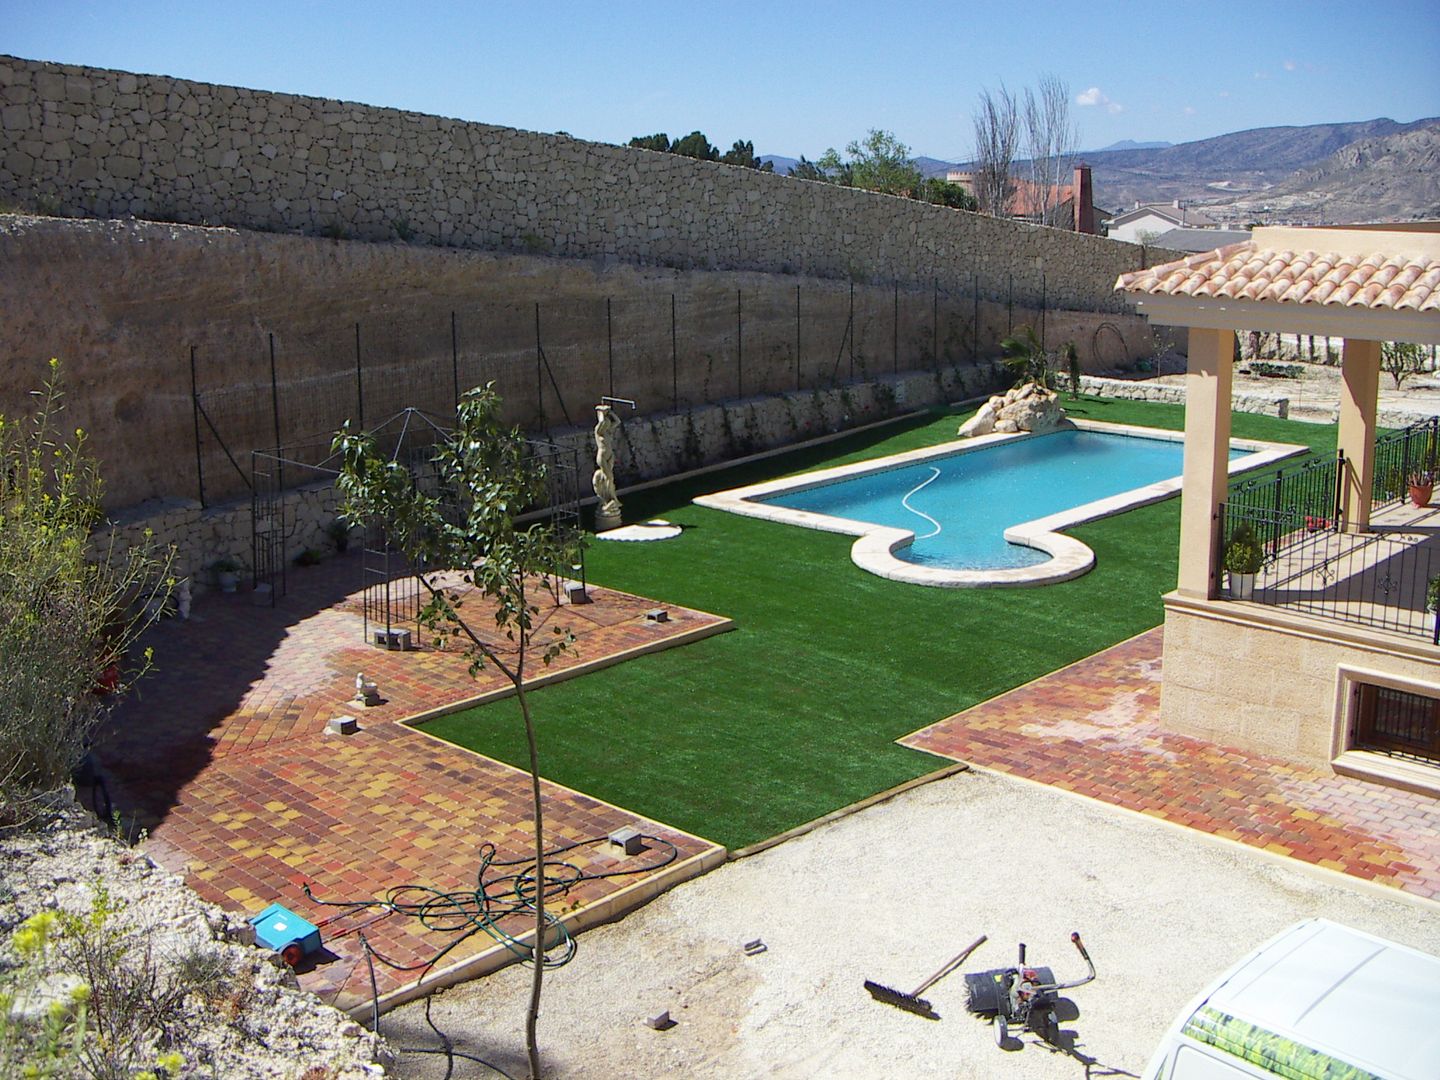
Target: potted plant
1422,486
227,573
1432,595
1244,558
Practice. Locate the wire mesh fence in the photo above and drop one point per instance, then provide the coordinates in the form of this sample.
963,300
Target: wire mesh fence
553,357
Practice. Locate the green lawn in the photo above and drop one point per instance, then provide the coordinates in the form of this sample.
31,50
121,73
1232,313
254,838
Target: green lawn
793,714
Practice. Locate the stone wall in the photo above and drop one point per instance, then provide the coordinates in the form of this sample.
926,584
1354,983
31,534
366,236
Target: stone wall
1136,390
359,331
102,143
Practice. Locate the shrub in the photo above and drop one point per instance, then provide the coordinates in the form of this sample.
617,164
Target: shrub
69,615
1264,369
1244,554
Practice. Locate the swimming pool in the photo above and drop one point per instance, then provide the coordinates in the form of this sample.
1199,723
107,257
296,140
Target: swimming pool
985,511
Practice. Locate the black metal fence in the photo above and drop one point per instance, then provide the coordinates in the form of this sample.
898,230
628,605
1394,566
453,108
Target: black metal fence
1379,578
552,358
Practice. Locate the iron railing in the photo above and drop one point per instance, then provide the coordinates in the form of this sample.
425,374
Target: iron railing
1378,578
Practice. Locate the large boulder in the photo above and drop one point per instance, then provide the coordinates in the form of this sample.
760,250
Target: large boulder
982,423
1030,407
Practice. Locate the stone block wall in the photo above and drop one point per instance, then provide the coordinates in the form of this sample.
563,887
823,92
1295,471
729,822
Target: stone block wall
102,143
359,331
1221,680
1134,390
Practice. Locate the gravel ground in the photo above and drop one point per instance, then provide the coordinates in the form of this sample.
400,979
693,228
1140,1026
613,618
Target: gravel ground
889,894
238,1014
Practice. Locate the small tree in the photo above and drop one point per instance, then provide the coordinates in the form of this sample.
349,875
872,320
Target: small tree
1050,139
997,134
1072,367
70,610
880,162
486,480
1401,359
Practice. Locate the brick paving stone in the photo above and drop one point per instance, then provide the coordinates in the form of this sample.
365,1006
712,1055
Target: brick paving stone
1093,728
224,759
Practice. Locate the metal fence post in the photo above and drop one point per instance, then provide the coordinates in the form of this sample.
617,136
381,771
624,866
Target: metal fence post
195,416
539,374
739,344
852,330
359,384
455,359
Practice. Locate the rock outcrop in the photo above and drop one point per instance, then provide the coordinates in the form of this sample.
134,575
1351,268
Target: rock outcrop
1030,407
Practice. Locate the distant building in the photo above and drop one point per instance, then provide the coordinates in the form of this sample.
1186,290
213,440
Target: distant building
1153,219
1026,202
1199,239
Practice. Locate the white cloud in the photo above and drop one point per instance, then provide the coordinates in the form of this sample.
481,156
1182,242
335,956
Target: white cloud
1290,65
1095,96
1223,94
1189,110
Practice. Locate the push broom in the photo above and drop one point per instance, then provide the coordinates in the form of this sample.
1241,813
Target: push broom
913,1002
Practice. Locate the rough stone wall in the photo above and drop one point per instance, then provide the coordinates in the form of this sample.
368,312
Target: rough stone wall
102,143
123,303
1144,391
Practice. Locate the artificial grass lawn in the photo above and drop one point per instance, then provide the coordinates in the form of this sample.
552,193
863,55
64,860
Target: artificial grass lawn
793,714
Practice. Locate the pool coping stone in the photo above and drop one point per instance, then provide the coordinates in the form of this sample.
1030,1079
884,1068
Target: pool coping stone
875,547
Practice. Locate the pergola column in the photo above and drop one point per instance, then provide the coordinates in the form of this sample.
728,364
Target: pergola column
1359,397
1208,378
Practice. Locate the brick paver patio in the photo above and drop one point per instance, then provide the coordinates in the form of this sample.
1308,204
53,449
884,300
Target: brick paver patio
224,759
1092,728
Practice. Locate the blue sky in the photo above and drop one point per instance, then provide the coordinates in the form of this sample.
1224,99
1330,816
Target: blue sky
794,78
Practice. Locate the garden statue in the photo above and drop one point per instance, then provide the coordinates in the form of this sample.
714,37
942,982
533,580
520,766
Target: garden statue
607,513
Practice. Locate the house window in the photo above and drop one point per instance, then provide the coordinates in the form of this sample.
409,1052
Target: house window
1396,722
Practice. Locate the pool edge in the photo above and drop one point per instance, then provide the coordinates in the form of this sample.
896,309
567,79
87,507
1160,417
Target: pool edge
875,546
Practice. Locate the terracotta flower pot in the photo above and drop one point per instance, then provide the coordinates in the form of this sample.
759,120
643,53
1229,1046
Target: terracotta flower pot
1420,494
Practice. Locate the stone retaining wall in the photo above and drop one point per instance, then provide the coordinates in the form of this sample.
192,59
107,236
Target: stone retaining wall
103,143
1145,391
360,331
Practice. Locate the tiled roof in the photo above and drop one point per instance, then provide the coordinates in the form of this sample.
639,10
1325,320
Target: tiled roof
1246,271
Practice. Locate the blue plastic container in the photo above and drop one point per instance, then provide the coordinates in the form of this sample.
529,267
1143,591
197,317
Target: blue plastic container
279,928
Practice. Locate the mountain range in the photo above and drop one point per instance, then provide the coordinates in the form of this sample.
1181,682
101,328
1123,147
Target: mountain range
1369,170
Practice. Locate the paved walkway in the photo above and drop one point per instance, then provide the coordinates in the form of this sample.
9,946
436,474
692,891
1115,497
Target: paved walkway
1092,728
224,759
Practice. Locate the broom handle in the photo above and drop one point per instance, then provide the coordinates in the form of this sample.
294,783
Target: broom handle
949,967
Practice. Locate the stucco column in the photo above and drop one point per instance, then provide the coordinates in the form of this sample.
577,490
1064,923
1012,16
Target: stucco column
1207,457
1359,396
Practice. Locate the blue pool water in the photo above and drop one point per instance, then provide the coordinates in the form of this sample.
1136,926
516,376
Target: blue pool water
959,506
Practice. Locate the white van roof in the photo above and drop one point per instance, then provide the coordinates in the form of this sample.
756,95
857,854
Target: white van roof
1349,995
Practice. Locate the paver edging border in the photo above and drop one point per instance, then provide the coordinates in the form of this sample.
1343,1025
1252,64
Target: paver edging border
900,740
689,637
942,773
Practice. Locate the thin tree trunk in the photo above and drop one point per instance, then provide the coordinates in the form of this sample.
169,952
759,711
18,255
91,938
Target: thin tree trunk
537,974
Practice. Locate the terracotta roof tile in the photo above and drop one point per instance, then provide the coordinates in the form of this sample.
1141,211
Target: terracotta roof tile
1243,271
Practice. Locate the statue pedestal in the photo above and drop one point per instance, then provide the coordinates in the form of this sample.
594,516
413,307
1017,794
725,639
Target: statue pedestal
604,522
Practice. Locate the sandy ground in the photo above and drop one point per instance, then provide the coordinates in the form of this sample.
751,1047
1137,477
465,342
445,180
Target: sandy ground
889,894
